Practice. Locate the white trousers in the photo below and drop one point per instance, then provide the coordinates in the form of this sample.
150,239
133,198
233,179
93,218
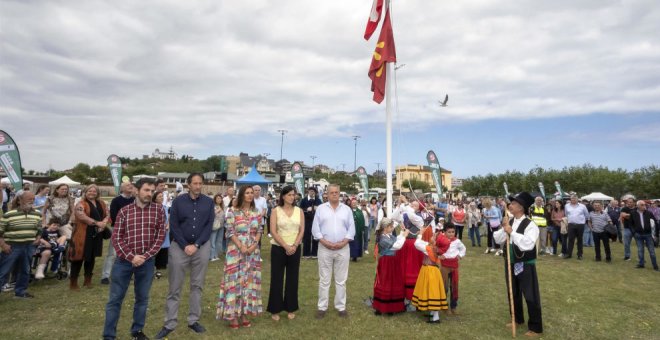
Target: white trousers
329,261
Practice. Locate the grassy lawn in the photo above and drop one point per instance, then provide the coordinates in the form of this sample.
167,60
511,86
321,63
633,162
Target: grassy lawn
581,300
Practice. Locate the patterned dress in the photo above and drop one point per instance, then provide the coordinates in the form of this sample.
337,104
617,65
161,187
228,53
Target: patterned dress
240,290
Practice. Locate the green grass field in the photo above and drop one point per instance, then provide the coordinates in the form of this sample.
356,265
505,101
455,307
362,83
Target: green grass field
581,300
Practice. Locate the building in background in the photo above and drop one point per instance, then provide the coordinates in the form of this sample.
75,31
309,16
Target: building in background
420,173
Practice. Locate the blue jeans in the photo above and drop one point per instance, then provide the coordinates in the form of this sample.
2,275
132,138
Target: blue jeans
627,239
366,234
587,237
645,240
120,278
216,240
554,237
21,254
474,232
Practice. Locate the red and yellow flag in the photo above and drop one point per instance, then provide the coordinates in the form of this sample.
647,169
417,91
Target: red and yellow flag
384,53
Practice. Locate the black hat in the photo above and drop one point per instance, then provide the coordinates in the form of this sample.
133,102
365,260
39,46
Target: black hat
524,198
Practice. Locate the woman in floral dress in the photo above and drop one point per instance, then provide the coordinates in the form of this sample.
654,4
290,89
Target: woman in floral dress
240,290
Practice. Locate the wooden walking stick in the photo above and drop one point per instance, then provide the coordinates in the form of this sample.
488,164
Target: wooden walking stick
508,269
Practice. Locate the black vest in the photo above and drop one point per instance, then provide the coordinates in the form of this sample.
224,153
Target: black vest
519,255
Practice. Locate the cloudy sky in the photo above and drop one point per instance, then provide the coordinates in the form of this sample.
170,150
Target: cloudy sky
548,83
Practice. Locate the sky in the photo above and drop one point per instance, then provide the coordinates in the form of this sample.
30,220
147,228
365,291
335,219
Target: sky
550,84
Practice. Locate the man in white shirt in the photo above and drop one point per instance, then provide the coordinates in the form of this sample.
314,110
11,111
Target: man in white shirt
523,234
229,195
577,216
333,227
262,206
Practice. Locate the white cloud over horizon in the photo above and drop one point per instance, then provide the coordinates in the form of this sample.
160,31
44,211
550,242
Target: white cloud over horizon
81,80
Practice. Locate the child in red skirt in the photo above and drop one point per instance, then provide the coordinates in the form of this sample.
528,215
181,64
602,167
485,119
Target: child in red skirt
388,286
449,261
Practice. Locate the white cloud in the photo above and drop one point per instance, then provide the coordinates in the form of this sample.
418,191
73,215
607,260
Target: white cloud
80,80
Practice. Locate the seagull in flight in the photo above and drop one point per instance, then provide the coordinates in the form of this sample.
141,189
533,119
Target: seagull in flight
444,103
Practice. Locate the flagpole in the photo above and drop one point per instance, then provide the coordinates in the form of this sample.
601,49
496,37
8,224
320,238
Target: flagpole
388,132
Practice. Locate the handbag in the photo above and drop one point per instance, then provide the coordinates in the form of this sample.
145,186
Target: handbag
610,229
563,228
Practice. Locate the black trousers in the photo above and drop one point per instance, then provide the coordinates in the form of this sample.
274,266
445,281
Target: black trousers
77,265
605,237
283,295
526,284
310,245
160,260
575,231
491,241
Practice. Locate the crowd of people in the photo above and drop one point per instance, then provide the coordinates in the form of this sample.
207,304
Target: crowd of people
151,231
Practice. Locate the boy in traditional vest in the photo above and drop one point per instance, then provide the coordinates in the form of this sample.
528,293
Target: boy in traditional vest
523,234
449,269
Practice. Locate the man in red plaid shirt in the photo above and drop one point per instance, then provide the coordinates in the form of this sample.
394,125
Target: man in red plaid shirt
138,234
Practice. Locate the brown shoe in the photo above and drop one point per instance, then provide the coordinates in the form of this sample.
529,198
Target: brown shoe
88,281
532,334
320,314
343,314
73,284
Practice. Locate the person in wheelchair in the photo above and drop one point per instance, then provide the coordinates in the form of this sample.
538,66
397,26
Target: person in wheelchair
51,244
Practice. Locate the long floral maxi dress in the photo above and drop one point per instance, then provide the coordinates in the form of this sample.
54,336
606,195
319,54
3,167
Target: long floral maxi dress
240,289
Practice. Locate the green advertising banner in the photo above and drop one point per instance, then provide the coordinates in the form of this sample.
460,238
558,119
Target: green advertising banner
435,171
298,177
10,160
114,164
364,180
558,187
542,188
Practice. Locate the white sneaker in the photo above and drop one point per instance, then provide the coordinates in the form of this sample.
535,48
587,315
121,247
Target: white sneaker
269,235
487,251
366,252
39,275
214,259
499,252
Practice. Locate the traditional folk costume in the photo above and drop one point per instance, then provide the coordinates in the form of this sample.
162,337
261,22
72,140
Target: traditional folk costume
410,258
388,287
450,269
429,293
524,281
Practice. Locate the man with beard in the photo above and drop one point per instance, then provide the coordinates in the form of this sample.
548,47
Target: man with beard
138,234
20,232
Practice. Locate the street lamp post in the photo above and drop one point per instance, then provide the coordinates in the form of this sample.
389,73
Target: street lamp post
281,147
313,159
355,138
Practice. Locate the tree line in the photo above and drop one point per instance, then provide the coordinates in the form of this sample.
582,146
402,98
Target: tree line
583,180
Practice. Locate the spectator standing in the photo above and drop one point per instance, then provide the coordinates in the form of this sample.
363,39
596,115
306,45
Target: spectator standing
126,197
628,232
614,211
20,232
309,204
598,219
643,224
92,227
191,222
139,231
561,226
240,289
333,227
578,216
287,227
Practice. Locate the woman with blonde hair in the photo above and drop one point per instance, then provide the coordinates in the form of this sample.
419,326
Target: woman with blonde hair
91,227
493,217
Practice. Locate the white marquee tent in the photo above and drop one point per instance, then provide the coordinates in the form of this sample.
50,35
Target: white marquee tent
597,196
64,180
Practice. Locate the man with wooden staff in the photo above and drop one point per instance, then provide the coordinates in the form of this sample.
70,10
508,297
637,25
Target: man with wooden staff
522,233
